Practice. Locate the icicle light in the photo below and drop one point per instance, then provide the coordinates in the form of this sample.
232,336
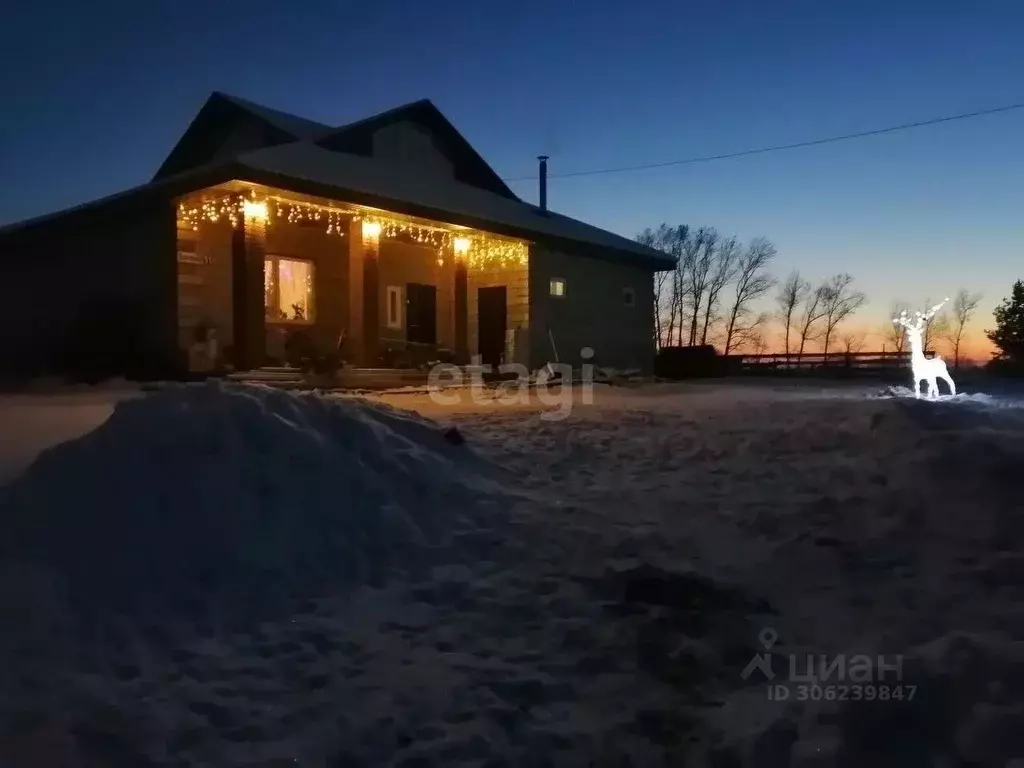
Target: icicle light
478,250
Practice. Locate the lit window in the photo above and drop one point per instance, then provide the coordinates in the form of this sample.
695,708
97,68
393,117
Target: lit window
394,307
287,290
628,297
557,287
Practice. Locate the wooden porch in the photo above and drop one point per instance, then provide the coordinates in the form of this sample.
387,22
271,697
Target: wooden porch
271,281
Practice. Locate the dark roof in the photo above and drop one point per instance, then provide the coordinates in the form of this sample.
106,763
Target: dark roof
299,127
344,175
470,167
165,189
306,156
219,116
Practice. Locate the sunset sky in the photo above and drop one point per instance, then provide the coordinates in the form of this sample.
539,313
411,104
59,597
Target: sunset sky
96,94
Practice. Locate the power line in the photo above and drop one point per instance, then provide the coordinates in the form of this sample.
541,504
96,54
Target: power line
780,147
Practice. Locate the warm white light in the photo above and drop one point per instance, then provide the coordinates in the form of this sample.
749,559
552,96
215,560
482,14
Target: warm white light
461,246
371,230
254,209
921,367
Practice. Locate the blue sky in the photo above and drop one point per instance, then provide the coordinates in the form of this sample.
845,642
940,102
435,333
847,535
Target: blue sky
96,94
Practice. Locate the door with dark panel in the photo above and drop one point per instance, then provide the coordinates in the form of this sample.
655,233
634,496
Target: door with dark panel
421,313
492,321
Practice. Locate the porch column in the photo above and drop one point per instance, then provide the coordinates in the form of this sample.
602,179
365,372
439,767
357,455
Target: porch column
248,248
354,331
461,312
371,293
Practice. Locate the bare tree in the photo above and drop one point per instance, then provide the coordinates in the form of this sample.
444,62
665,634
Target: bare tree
660,281
671,288
839,301
699,251
964,305
650,238
757,341
934,325
791,295
723,269
752,282
853,342
811,315
664,239
685,244
894,334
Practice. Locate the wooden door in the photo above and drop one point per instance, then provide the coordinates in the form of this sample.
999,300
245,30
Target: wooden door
492,319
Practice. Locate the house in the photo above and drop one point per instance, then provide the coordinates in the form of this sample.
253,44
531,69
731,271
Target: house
392,233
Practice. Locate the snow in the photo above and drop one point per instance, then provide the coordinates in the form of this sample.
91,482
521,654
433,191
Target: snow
299,127
231,575
228,490
48,413
387,181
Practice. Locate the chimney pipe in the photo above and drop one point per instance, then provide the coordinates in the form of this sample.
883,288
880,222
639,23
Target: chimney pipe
543,181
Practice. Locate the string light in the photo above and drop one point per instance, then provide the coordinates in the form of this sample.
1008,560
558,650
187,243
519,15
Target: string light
210,210
253,209
477,250
486,252
371,230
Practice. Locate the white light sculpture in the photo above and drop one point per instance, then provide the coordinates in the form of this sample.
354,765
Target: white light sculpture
923,368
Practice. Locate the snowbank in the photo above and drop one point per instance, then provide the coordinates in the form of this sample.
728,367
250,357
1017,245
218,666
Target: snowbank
594,599
235,500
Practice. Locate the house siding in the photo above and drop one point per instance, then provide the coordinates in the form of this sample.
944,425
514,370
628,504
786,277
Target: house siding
593,312
403,263
411,147
205,288
517,317
93,294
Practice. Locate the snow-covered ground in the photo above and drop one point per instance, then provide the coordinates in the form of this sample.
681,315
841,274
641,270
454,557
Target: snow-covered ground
237,576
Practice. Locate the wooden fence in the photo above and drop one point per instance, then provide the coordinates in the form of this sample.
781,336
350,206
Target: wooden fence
868,363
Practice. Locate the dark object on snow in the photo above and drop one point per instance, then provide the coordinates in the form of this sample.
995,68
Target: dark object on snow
299,348
313,355
648,585
453,436
688,363
689,597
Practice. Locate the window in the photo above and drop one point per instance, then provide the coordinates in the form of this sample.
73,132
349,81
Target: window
288,290
628,297
395,307
557,286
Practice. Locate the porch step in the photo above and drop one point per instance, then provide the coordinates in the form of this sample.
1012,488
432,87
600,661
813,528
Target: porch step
348,378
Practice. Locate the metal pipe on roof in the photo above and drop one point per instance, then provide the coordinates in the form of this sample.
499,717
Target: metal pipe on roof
543,181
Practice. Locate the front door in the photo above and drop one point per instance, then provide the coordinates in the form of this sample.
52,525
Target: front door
491,310
421,313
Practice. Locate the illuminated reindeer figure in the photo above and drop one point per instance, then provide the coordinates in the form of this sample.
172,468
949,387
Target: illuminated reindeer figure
924,369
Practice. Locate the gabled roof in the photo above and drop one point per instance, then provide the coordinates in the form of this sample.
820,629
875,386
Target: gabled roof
299,127
305,156
348,176
214,122
357,138
166,189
